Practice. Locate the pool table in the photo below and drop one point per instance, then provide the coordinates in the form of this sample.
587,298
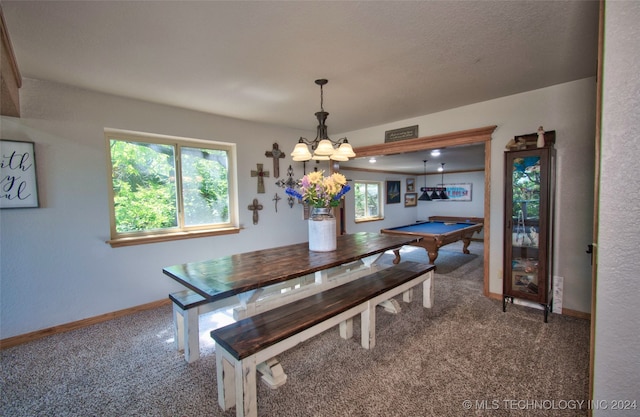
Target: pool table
438,232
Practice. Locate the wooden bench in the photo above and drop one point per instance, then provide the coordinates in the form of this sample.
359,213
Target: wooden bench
243,346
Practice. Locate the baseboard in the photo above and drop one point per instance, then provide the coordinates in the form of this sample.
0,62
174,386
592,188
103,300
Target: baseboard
39,334
565,311
577,314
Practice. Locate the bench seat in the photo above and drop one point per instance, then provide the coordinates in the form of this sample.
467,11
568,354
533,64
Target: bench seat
243,345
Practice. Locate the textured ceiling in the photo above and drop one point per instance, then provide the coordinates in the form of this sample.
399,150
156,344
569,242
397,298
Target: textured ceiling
385,60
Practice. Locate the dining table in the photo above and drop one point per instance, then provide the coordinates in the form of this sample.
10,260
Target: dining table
260,280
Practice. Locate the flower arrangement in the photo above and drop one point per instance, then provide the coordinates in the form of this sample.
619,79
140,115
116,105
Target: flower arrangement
319,191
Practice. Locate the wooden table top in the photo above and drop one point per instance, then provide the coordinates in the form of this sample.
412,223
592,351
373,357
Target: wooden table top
220,278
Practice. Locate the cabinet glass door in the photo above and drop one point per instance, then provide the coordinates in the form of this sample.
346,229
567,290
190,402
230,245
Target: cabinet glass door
525,224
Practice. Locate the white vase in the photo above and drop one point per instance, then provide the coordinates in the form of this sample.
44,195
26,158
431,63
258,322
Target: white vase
322,230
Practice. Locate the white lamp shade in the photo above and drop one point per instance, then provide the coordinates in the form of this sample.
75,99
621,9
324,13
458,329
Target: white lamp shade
338,156
325,148
317,157
301,153
346,150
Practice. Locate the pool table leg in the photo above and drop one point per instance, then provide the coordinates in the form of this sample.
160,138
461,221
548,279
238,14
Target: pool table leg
432,256
467,242
396,260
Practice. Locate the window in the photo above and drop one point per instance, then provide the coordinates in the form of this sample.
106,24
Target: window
368,201
164,188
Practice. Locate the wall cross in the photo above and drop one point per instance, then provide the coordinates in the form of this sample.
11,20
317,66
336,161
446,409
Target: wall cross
260,173
255,207
276,154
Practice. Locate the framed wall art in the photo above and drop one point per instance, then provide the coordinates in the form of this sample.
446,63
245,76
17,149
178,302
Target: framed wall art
411,185
410,199
18,185
393,192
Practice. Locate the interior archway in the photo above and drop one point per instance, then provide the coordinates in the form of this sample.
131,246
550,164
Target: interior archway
463,137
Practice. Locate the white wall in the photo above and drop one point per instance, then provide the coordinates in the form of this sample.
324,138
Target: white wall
55,267
617,339
473,208
569,109
398,215
394,214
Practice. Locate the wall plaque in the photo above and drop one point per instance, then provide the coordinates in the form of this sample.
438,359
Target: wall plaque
395,135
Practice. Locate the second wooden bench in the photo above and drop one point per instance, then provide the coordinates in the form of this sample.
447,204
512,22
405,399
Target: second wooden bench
242,346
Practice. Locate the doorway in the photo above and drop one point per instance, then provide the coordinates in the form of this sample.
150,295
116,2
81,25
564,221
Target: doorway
464,137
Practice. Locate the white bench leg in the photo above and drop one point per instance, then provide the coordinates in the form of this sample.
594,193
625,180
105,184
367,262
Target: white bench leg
246,389
428,292
225,374
368,326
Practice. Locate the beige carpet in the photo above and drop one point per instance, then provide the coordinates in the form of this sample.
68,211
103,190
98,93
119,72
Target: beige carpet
425,363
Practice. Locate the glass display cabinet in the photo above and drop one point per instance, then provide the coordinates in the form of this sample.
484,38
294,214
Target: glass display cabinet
529,213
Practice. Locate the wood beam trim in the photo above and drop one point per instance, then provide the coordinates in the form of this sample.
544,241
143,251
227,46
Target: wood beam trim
10,79
6,43
462,137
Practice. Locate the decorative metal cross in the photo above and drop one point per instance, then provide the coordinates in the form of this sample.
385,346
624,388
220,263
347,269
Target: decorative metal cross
276,198
260,173
255,207
276,154
290,182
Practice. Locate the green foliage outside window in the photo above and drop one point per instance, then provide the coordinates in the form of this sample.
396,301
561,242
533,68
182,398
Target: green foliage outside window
526,187
146,188
367,200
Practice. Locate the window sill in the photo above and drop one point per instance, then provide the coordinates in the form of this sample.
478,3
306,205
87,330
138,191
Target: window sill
369,219
141,240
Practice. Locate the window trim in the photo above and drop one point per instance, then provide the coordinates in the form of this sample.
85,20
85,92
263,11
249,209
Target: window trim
119,239
380,216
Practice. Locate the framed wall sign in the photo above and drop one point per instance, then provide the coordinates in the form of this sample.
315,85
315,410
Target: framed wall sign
457,192
409,132
18,185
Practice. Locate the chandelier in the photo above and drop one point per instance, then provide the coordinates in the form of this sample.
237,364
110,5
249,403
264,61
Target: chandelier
322,146
437,193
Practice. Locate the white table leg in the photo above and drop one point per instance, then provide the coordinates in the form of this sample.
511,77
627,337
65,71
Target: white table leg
391,306
346,329
178,327
407,296
247,306
272,373
192,335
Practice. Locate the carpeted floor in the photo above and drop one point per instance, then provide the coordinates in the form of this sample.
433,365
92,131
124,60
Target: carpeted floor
425,363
